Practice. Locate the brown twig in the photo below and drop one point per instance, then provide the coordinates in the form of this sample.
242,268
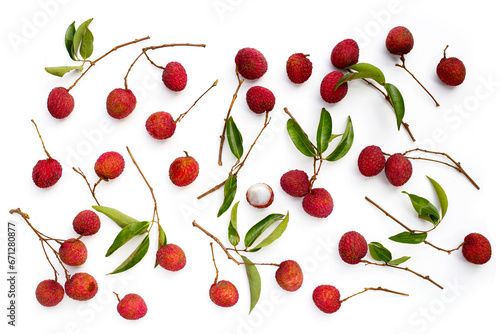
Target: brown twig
444,250
92,191
375,289
215,264
403,66
40,136
389,215
181,116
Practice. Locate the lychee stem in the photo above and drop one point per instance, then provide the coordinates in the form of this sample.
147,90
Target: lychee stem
40,136
92,191
117,297
375,289
403,66
215,264
444,51
444,250
181,116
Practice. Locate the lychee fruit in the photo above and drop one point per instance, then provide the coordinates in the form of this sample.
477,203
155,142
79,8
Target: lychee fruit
120,103
132,307
183,170
49,293
398,169
476,248
260,99
81,286
260,195
289,275
451,70
345,53
399,41
86,223
371,161
295,183
171,257
46,173
109,165
224,294
60,102
73,252
327,298
327,89
298,68
352,247
318,203
174,76
160,125
250,63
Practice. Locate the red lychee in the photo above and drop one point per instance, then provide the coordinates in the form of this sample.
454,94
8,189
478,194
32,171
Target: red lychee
260,99
73,252
120,103
318,203
81,286
398,169
250,63
174,76
49,293
289,275
345,53
86,223
327,298
183,170
327,88
399,41
160,125
298,68
295,183
60,103
476,248
109,165
46,173
371,161
132,307
451,71
352,247
224,294
171,257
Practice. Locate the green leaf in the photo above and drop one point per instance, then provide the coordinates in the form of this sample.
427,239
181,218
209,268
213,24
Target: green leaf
334,136
409,237
59,71
68,40
344,79
127,233
425,209
277,232
229,193
379,252
397,102
87,46
253,280
234,138
398,261
345,143
443,199
119,218
299,139
255,231
162,240
133,258
78,36
363,71
232,230
324,133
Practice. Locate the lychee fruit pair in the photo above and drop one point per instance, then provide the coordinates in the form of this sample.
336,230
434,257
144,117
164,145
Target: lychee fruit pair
184,170
260,99
260,195
109,165
132,306
171,257
476,248
250,63
398,168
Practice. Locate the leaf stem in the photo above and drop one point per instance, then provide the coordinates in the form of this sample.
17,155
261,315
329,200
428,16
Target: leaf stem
375,289
403,66
181,116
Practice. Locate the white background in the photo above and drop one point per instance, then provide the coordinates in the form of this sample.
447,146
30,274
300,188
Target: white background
464,126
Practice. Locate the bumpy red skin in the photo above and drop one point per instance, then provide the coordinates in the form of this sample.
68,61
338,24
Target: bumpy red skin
398,169
73,252
132,307
120,103
160,125
371,161
298,68
295,183
318,203
476,248
399,41
250,63
86,223
81,286
289,275
223,294
183,171
109,165
451,71
345,53
327,89
174,76
171,257
327,298
49,293
60,103
260,99
352,247
46,173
